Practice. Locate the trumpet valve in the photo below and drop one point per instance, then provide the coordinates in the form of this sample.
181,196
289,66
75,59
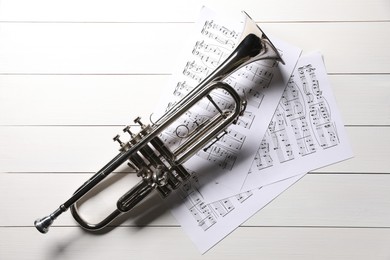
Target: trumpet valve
138,121
116,139
127,130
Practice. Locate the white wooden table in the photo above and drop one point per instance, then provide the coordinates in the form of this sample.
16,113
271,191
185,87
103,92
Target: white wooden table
72,73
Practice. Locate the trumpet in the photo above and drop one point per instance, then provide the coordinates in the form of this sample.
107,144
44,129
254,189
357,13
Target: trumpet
159,166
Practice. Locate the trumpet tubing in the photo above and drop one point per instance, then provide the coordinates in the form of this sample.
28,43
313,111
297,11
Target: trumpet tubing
161,167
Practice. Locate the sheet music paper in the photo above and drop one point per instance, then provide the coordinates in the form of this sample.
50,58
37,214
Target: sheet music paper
316,140
226,162
306,127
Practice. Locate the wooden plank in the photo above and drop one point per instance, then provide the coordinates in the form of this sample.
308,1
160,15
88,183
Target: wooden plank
117,99
78,99
171,243
87,149
363,99
321,200
339,212
112,48
179,11
56,149
340,44
332,200
369,147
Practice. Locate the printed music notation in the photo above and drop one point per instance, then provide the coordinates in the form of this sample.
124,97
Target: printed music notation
207,214
254,96
302,119
209,209
220,155
252,82
181,89
301,137
212,47
305,127
224,153
220,33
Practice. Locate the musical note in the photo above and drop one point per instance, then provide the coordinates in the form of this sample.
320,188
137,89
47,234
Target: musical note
220,155
291,136
233,139
195,71
220,33
209,51
201,212
212,49
282,146
208,60
225,31
244,196
263,158
223,207
303,135
327,135
303,116
181,89
246,120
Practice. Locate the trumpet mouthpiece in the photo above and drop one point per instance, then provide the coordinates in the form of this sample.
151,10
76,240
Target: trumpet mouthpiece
43,224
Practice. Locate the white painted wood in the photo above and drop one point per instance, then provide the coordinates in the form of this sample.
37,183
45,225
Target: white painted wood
330,200
133,48
117,99
87,149
321,200
369,145
363,99
347,47
338,212
179,11
78,99
171,243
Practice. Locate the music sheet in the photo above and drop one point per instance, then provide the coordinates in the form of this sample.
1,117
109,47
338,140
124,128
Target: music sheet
306,127
305,133
225,164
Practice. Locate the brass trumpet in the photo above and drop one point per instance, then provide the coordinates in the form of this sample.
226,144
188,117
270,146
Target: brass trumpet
160,167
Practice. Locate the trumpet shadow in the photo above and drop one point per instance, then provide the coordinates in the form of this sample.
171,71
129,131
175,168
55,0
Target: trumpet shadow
154,206
145,213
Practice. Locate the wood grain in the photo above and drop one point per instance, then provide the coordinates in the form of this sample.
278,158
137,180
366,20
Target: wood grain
73,72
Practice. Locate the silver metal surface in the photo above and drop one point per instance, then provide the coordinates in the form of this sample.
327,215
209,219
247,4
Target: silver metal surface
157,165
